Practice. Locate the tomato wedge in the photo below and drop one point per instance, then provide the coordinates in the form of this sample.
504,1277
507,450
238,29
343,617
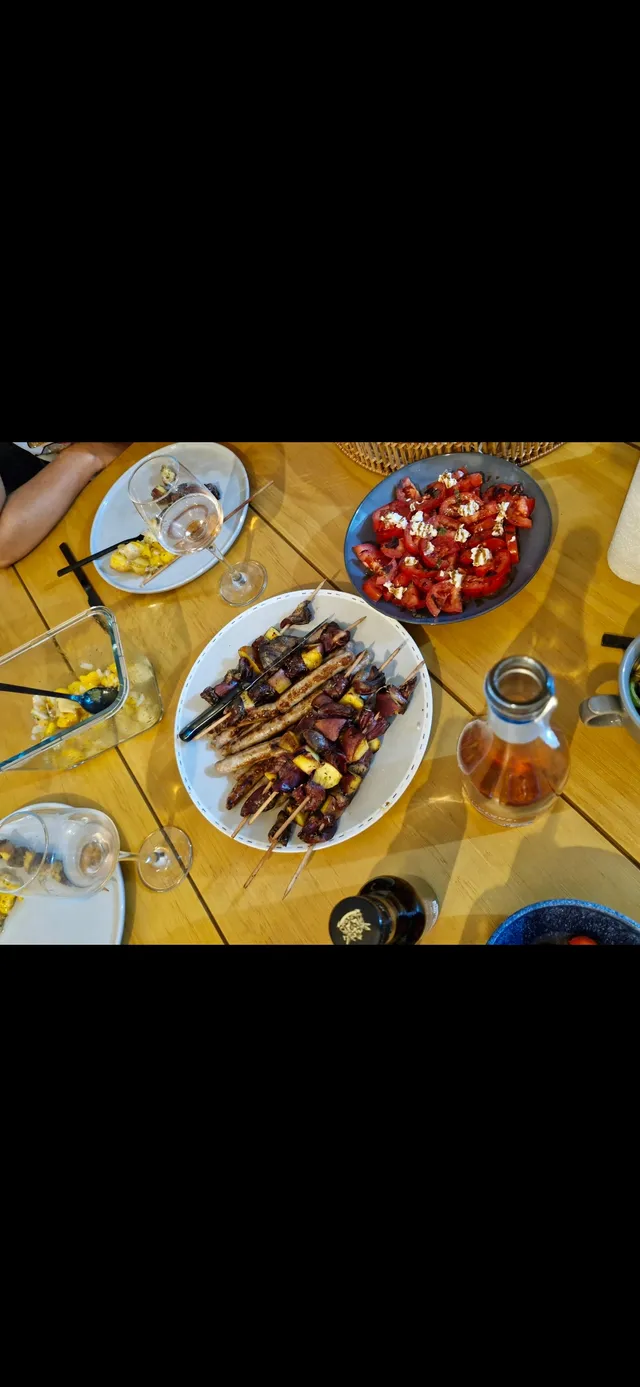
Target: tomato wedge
411,543
487,582
371,590
406,576
448,597
393,548
423,581
412,599
520,512
408,491
369,556
512,546
471,483
433,497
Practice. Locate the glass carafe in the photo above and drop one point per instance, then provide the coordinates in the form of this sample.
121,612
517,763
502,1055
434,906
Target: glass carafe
514,761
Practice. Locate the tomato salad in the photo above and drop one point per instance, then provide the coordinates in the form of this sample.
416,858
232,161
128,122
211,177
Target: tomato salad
447,547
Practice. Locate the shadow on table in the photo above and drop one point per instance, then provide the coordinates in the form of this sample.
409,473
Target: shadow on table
580,873
433,813
555,635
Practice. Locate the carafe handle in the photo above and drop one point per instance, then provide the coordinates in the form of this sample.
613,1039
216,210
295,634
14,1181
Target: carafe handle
605,710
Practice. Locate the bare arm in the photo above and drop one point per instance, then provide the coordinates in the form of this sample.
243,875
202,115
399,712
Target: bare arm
30,513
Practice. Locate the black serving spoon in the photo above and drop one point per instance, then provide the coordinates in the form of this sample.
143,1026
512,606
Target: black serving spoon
93,701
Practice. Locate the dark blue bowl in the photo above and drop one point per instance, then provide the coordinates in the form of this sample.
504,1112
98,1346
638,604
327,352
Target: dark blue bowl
534,544
567,918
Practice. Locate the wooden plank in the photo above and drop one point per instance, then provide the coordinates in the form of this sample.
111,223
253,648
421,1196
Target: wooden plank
560,618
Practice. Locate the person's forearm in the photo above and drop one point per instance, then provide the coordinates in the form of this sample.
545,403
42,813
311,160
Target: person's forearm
33,510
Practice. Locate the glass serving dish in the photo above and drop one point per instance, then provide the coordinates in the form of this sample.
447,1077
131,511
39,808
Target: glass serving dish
87,644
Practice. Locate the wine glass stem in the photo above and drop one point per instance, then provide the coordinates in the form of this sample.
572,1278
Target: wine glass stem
236,573
128,857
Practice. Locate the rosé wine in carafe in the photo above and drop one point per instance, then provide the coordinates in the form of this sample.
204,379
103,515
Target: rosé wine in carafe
515,763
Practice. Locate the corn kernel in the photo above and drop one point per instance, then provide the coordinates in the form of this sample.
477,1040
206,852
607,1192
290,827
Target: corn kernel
50,729
90,681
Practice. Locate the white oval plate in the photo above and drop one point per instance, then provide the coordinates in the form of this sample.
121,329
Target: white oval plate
51,920
395,765
118,519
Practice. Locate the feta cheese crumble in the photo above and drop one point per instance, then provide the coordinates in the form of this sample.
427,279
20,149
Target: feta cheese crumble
393,592
498,529
448,480
421,528
469,509
462,535
480,556
395,520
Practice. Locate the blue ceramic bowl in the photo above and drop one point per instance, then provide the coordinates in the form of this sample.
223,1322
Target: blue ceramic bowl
567,917
534,544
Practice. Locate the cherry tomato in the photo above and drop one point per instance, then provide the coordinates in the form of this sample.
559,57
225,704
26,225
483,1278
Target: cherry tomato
583,939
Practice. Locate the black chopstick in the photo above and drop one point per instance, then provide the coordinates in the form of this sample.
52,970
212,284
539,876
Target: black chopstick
617,642
92,596
91,558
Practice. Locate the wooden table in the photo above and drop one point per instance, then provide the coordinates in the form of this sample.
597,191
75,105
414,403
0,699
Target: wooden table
589,847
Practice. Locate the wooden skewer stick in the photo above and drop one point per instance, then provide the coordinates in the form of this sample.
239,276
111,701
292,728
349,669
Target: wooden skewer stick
390,660
213,727
246,823
414,672
357,662
355,626
149,577
299,809
305,861
313,596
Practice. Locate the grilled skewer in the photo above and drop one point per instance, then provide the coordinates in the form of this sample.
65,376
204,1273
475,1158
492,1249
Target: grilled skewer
331,818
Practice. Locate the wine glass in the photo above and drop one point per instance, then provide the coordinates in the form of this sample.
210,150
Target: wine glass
74,853
186,518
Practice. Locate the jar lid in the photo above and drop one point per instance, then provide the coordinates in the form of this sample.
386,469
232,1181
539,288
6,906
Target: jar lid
359,920
519,688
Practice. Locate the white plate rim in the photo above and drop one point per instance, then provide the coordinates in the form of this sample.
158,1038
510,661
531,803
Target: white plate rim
120,901
296,847
208,562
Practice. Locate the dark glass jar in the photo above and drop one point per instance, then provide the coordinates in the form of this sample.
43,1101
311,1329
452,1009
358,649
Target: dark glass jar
387,911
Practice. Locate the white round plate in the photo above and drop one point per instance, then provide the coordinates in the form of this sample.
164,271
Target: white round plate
395,765
118,519
51,920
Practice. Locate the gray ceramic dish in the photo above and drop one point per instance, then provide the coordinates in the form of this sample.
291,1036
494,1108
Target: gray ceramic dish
534,544
562,918
607,710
